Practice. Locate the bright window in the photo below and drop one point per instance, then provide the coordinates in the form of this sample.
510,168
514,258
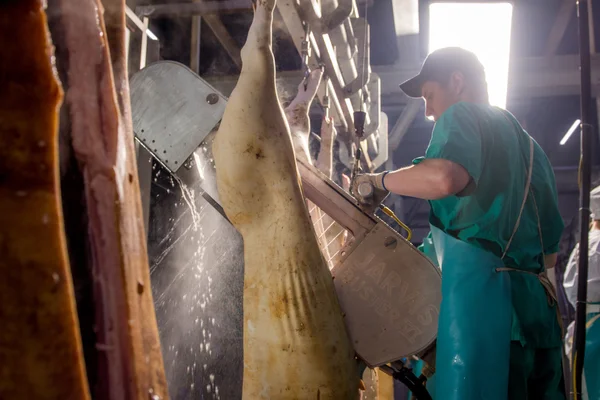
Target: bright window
481,28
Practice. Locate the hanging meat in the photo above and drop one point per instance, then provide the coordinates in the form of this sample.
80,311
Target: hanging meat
295,341
40,346
41,353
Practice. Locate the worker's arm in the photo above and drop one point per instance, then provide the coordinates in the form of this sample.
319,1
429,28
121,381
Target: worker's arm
431,179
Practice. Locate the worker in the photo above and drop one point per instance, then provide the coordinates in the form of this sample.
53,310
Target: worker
591,364
495,227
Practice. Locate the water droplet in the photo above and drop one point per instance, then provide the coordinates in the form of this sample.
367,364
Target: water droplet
56,278
212,378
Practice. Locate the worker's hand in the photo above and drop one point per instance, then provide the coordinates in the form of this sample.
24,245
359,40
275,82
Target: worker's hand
369,190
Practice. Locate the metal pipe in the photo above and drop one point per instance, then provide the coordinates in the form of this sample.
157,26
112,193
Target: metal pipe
321,52
374,103
383,149
326,23
363,59
344,51
339,15
584,197
144,43
196,38
350,36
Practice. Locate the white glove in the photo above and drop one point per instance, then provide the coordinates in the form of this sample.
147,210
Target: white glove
379,192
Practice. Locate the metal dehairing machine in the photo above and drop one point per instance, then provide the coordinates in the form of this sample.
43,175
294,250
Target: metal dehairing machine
389,291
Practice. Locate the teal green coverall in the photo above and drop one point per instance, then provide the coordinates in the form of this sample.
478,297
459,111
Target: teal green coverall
490,144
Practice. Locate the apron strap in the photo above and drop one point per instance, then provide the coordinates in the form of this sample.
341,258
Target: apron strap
525,196
544,280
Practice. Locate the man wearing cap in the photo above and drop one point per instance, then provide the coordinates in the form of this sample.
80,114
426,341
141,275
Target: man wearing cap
495,227
591,364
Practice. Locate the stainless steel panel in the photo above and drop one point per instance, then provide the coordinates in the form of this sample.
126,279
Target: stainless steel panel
197,272
391,294
164,120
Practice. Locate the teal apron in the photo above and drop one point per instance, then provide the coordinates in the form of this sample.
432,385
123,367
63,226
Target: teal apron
473,343
591,364
474,329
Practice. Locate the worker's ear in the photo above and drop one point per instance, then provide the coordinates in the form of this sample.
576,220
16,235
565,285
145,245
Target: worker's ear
457,83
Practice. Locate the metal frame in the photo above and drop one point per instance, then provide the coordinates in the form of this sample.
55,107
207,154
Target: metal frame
343,90
563,18
137,35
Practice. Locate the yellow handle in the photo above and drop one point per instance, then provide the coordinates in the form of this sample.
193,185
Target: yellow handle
391,214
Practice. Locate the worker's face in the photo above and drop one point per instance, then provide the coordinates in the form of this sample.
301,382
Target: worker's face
439,97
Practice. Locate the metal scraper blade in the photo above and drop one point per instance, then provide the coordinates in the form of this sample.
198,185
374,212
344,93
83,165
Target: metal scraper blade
173,110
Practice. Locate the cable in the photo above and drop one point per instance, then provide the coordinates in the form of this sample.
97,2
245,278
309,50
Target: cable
362,91
584,198
391,214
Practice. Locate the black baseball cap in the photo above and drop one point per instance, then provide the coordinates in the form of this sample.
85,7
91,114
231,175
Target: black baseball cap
440,64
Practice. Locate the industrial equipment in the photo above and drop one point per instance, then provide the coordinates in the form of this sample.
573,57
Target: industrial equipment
389,291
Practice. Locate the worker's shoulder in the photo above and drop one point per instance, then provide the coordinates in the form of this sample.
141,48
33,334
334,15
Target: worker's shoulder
460,116
463,109
477,116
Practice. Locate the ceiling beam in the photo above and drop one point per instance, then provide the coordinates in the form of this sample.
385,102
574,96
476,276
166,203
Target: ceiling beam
529,77
198,8
216,25
561,23
403,123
